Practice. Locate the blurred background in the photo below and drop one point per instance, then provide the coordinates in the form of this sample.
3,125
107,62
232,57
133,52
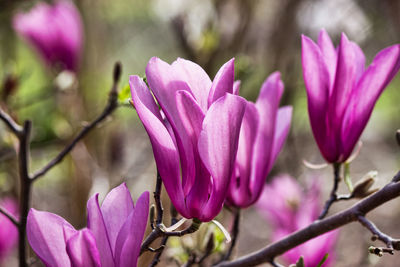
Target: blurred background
262,35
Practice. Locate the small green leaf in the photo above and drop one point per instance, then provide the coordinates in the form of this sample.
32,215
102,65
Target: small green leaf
125,94
300,262
323,260
347,178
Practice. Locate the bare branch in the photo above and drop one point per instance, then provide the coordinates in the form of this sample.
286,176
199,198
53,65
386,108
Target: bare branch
110,107
333,197
268,253
9,216
11,124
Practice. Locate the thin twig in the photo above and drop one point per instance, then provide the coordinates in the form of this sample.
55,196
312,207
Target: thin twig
9,216
333,196
317,228
235,234
157,199
390,242
275,264
25,189
11,124
112,104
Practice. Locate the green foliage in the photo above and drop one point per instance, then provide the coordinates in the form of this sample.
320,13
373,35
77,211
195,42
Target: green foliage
323,260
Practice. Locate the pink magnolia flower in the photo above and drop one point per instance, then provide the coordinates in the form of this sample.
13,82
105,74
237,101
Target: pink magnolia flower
8,231
112,238
55,31
342,92
195,135
263,132
289,208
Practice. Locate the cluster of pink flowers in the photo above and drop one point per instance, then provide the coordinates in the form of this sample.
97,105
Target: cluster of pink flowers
289,208
211,146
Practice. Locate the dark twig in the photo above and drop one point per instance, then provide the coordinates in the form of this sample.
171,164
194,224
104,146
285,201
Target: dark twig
266,254
157,197
390,242
9,216
112,104
333,197
235,234
275,264
25,189
11,124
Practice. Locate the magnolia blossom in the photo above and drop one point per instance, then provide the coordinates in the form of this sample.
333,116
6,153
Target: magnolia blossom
342,92
8,231
263,132
112,238
288,208
195,135
55,31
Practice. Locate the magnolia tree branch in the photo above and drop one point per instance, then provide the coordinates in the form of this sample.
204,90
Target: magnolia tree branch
319,227
112,104
9,216
333,196
235,234
26,180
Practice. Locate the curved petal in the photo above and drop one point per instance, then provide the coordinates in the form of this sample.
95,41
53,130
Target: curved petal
377,76
46,237
316,79
82,250
329,54
282,126
196,78
236,87
164,83
130,237
223,82
342,88
239,190
116,207
165,152
267,106
192,117
218,144
95,223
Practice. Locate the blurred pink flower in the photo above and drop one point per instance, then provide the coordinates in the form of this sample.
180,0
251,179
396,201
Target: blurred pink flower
341,92
55,31
289,208
195,135
264,129
8,231
112,238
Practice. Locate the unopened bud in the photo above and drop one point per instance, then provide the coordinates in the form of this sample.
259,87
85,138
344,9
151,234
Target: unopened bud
152,215
117,71
362,187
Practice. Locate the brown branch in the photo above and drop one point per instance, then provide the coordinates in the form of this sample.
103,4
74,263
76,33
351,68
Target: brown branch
112,104
333,197
11,124
268,253
9,216
390,242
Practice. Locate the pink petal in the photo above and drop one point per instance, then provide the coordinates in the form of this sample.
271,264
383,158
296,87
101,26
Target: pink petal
223,82
165,152
316,79
192,118
197,79
236,87
218,144
116,207
82,250
46,237
283,120
239,192
130,237
95,223
164,82
372,83
329,54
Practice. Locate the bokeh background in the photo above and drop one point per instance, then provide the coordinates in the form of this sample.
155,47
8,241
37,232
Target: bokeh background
262,35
